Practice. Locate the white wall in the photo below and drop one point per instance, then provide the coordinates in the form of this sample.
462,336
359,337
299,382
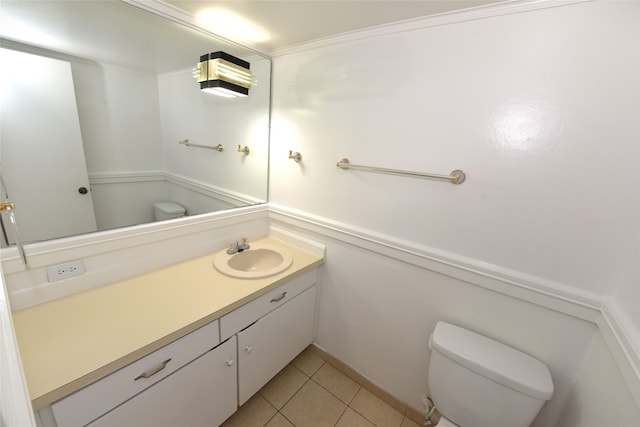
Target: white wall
120,121
121,204
188,113
539,108
120,118
628,294
624,311
598,397
131,122
377,314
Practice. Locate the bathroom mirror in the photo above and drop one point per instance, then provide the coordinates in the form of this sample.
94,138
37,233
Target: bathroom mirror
97,97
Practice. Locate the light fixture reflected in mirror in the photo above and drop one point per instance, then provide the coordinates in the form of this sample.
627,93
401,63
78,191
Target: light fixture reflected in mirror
129,82
222,74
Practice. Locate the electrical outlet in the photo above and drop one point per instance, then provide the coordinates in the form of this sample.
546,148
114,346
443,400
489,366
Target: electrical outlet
65,270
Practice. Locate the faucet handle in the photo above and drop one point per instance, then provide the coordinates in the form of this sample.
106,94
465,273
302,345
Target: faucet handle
244,245
232,247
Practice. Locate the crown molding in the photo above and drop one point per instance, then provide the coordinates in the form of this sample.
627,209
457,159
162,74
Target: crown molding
180,16
447,18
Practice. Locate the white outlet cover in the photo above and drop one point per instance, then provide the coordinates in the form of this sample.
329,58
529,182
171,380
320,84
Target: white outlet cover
65,270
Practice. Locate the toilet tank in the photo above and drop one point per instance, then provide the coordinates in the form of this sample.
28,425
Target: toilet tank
167,210
475,381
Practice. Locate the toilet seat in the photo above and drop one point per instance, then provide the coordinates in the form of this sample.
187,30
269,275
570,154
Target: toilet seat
446,423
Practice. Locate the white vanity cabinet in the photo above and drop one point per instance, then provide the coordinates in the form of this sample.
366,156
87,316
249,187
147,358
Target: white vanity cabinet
272,330
196,381
200,394
268,345
188,369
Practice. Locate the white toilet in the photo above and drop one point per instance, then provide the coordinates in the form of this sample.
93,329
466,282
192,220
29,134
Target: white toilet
167,210
478,382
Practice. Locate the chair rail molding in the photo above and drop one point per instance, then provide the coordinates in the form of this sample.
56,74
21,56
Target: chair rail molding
617,330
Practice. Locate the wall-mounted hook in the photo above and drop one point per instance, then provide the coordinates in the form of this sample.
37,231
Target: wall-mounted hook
295,156
244,150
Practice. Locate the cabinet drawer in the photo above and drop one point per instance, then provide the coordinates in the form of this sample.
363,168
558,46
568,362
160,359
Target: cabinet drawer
250,312
201,394
94,400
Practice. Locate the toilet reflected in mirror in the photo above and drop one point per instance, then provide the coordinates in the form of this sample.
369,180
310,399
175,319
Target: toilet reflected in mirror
91,112
167,210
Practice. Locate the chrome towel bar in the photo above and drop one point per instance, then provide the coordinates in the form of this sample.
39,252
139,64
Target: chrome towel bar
455,177
218,147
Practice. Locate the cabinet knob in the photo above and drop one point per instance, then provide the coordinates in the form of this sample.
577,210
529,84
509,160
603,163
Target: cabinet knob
248,349
230,362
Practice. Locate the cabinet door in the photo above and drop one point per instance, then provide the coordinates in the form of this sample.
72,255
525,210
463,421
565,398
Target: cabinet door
98,398
202,393
272,342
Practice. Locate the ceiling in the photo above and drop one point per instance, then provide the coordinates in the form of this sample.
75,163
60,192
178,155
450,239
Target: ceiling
109,32
275,24
118,33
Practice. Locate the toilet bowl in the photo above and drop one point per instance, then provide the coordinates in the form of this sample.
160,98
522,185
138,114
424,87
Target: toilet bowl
475,381
167,210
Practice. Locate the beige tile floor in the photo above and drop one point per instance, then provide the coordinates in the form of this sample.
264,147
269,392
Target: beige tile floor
310,392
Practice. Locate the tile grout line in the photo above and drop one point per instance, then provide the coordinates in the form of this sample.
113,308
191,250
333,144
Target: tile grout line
416,416
310,378
311,371
279,411
361,385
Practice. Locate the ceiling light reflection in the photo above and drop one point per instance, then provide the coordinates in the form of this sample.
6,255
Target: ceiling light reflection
15,29
231,26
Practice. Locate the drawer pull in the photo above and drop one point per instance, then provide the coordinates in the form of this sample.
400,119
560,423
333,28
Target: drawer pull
154,371
280,298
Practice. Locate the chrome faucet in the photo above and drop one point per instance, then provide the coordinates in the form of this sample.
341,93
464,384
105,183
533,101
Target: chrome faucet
238,246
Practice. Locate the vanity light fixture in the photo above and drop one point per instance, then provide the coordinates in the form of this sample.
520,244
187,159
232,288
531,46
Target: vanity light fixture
222,74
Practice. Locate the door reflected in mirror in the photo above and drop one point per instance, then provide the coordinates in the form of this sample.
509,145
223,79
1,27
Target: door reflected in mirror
100,98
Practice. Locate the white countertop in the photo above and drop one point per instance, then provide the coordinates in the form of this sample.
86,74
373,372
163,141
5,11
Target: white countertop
73,341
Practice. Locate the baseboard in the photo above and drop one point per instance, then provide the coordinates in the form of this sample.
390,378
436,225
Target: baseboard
397,404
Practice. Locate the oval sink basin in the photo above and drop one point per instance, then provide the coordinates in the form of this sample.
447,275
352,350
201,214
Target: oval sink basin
261,260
